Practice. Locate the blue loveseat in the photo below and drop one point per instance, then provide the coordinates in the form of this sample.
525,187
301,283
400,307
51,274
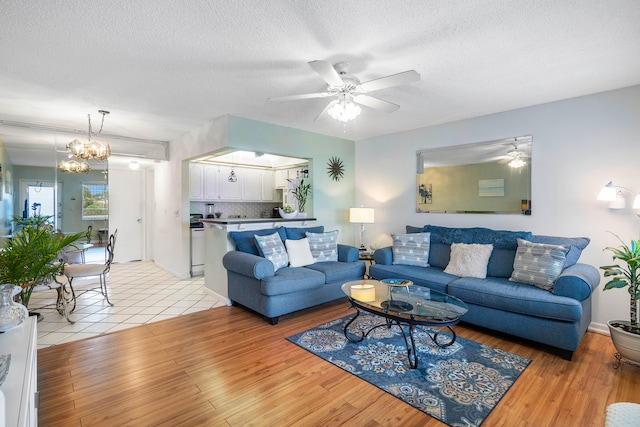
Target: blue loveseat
255,283
557,317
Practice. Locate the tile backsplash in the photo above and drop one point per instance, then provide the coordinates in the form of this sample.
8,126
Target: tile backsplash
244,209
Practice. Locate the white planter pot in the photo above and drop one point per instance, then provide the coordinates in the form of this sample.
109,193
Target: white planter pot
285,215
627,344
302,214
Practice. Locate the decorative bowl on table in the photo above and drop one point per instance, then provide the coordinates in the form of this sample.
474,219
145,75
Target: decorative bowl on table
286,215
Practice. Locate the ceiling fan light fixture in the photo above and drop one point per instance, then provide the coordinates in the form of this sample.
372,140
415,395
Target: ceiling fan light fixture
344,110
517,163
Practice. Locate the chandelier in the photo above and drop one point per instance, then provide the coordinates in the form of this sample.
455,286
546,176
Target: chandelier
344,109
93,149
71,166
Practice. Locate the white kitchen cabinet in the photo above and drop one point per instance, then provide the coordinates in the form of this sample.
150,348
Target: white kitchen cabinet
251,185
196,181
282,175
231,190
268,186
211,182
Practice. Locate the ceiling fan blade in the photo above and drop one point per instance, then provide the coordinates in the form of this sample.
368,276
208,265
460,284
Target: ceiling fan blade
327,72
375,103
389,81
324,113
296,97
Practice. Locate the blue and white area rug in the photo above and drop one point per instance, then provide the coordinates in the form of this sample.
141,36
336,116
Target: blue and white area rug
458,385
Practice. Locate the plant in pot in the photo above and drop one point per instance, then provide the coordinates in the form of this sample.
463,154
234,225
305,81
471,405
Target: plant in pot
33,254
301,192
625,334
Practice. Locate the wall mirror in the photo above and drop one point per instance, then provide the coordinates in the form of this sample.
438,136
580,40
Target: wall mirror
492,177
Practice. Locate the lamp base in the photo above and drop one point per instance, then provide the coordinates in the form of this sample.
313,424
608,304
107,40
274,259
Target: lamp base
362,248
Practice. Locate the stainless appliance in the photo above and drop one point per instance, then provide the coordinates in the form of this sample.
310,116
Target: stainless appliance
197,252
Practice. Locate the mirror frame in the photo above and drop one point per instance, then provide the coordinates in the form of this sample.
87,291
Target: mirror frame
475,178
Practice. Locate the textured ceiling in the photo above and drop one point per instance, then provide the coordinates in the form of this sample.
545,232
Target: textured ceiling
165,67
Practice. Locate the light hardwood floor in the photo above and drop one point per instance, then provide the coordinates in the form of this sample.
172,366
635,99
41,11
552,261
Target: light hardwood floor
229,367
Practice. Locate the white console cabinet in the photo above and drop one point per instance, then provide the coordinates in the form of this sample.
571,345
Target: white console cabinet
20,386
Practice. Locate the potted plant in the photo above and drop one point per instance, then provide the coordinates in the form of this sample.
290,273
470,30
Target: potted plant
301,193
32,255
625,334
287,212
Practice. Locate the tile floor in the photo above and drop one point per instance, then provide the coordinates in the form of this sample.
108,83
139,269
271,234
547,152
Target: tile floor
142,293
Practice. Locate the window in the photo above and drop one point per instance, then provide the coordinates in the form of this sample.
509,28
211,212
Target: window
95,200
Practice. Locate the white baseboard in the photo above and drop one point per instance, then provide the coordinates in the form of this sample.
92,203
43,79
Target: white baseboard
217,296
598,328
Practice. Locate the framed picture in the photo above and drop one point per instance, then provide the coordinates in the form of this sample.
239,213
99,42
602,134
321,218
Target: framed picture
425,194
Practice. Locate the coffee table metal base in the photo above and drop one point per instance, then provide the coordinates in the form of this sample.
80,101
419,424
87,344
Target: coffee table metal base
390,320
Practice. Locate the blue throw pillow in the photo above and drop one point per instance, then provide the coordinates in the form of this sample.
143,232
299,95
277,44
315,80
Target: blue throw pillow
271,248
324,246
411,249
293,233
577,244
245,240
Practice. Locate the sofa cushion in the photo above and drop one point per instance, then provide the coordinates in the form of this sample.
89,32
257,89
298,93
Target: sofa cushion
297,233
271,247
339,271
502,294
431,277
324,246
504,245
469,260
538,264
411,249
245,241
299,252
291,279
577,245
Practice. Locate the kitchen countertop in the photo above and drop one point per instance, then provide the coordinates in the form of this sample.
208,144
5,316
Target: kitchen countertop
228,221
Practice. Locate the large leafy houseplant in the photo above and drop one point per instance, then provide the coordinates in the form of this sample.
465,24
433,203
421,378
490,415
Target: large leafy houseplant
33,254
626,277
301,193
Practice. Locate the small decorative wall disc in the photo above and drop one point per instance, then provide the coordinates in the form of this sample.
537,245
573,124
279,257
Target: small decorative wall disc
335,168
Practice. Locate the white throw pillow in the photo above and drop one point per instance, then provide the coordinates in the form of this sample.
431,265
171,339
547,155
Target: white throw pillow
299,252
469,260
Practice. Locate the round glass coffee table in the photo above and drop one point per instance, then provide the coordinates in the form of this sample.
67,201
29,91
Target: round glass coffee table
400,302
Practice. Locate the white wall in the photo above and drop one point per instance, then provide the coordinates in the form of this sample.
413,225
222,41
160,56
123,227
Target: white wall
578,146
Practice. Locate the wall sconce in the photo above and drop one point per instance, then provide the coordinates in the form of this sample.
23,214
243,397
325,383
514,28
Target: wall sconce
362,216
613,194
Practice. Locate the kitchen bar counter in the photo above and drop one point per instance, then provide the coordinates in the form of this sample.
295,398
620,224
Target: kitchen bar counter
233,221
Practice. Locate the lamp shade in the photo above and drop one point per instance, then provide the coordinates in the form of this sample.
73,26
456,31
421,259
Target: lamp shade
361,215
608,192
636,202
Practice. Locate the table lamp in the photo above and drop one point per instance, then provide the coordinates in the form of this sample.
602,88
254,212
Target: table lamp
362,216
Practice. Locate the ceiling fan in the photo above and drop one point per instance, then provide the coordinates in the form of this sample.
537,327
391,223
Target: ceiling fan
349,91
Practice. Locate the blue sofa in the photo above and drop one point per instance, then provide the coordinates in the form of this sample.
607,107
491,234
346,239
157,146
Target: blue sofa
558,317
253,282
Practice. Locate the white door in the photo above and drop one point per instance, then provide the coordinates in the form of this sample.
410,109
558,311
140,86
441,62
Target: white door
126,189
